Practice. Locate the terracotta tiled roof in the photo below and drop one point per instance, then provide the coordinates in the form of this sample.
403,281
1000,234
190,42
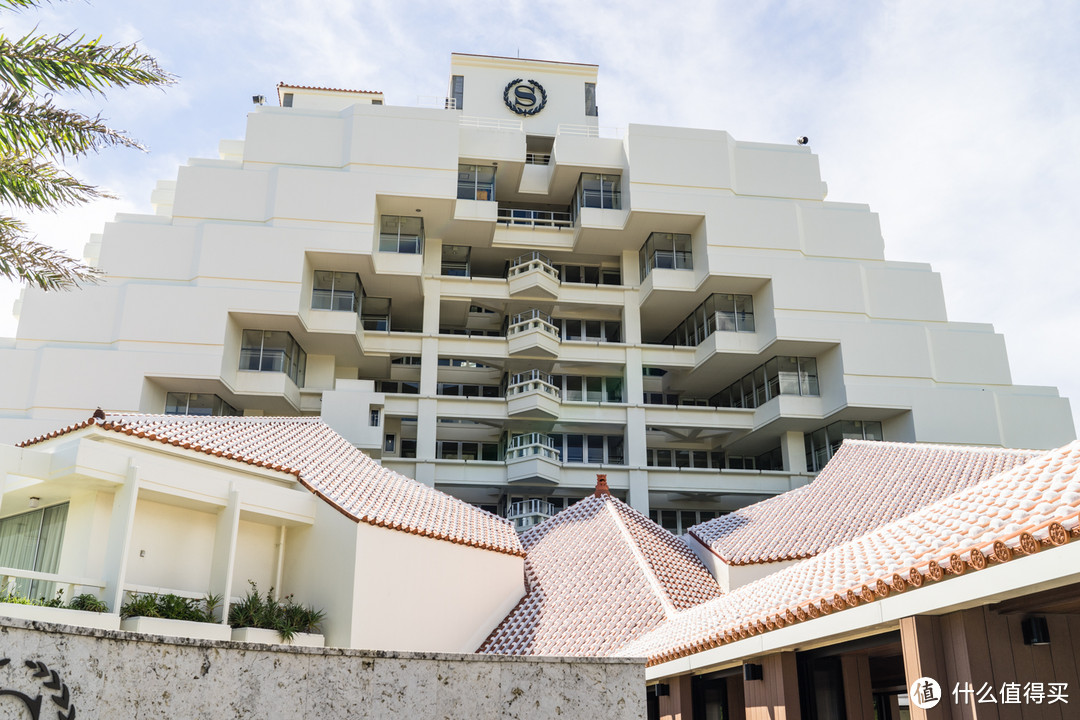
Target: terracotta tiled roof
599,575
865,485
1019,512
328,465
328,89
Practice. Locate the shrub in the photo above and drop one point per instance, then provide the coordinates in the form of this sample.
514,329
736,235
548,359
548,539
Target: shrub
85,601
89,603
171,607
263,611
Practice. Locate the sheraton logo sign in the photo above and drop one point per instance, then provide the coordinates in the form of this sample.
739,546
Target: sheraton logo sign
525,97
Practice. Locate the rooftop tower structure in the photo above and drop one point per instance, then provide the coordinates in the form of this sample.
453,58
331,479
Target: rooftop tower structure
499,296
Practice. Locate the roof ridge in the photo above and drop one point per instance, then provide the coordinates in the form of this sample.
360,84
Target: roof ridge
642,562
940,446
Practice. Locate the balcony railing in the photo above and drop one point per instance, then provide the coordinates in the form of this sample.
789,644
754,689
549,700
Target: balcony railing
589,131
532,444
532,320
537,158
533,381
532,261
535,218
487,123
10,577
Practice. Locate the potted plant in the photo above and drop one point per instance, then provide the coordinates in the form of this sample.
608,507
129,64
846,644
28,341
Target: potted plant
263,619
173,616
83,611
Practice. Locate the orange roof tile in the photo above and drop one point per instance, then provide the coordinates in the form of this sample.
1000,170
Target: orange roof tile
328,89
599,575
327,465
865,485
1018,512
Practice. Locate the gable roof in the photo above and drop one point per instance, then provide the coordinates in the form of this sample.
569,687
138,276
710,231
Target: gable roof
599,574
1018,512
327,465
865,485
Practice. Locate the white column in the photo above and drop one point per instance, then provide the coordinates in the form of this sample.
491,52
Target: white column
121,521
224,557
793,449
638,496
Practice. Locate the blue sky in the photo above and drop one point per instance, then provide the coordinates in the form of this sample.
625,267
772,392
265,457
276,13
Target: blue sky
958,122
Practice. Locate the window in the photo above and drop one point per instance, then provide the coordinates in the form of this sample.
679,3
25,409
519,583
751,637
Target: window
336,291
589,330
408,448
32,541
399,234
721,312
476,182
576,388
180,403
783,375
375,416
455,450
672,251
389,443
589,274
375,314
286,100
679,521
273,351
457,92
469,390
393,386
455,260
669,457
590,449
599,191
590,100
821,444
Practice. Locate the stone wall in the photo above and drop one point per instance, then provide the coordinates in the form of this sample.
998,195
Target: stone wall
105,674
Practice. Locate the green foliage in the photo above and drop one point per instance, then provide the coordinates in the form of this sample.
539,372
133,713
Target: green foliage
79,602
171,607
262,611
36,135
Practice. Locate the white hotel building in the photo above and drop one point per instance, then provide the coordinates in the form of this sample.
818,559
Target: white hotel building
501,298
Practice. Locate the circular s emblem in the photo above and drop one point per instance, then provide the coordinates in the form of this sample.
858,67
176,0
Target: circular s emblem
525,97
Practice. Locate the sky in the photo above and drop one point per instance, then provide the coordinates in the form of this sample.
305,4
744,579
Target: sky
958,122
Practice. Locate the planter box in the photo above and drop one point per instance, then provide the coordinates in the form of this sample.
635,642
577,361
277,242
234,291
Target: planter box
176,628
63,616
271,637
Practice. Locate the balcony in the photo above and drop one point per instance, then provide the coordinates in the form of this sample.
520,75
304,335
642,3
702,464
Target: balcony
533,395
532,458
533,334
525,514
520,217
532,275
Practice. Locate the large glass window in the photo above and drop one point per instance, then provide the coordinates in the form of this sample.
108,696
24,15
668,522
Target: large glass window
589,330
590,100
721,312
182,403
457,92
782,375
589,449
399,234
596,190
476,182
672,251
577,388
822,444
273,351
32,541
338,291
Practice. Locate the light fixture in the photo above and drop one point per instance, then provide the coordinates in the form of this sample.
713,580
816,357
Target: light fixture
1036,631
802,140
258,99
34,502
751,671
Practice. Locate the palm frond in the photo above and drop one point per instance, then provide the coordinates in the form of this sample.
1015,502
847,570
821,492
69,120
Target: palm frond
37,185
30,128
23,259
64,62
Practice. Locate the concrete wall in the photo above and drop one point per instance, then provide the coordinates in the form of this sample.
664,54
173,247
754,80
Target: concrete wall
123,675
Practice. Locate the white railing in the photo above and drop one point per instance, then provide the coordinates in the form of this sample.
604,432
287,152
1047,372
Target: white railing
530,445
532,261
532,381
487,123
532,320
67,583
535,218
590,131
436,101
